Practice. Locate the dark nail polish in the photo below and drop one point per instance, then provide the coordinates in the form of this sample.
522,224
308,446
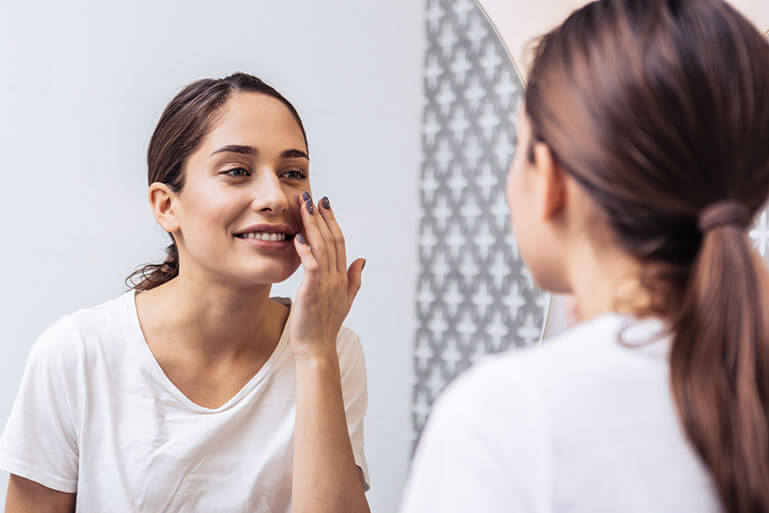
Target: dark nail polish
363,266
306,196
310,208
326,203
300,238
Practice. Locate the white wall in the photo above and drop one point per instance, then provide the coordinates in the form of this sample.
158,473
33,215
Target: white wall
83,84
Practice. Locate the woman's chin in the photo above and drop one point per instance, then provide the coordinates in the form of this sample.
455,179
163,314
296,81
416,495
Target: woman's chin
266,276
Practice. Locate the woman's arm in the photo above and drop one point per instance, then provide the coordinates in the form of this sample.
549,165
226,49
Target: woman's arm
325,476
25,496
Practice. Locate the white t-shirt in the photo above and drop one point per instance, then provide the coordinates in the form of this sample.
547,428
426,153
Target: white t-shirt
582,423
96,415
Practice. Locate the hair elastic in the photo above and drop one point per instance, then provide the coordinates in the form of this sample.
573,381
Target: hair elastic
724,213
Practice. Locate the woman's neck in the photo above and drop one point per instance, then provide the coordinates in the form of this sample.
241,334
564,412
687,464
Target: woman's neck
605,280
213,320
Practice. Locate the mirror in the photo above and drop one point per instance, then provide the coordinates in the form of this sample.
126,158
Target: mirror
84,85
410,122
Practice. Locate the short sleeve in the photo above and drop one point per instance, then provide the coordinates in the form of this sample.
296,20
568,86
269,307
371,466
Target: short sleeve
484,448
354,391
39,441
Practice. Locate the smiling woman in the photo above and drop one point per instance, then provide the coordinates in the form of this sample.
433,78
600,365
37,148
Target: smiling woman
224,167
165,391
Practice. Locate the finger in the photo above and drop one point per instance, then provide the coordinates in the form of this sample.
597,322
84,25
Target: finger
354,280
316,243
327,238
336,233
304,251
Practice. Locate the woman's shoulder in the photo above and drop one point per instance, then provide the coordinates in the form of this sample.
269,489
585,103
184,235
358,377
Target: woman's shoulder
113,316
584,348
605,348
74,332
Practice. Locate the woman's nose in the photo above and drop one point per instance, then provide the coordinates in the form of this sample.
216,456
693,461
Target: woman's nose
269,194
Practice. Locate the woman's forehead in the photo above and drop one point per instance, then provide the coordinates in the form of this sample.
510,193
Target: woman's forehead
256,119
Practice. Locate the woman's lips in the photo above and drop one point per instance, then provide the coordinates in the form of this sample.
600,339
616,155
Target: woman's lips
265,236
259,240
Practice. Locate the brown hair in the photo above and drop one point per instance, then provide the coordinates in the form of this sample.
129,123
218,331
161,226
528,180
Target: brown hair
659,109
179,132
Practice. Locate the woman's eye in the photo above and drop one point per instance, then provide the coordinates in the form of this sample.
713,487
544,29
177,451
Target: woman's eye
294,175
237,172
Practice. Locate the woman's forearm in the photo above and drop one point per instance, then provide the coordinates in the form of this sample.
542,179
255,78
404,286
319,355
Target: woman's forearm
326,478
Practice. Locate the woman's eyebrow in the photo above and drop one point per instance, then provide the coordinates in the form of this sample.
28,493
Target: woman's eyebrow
294,154
250,150
237,148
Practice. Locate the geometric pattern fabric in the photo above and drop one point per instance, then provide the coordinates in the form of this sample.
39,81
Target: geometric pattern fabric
474,295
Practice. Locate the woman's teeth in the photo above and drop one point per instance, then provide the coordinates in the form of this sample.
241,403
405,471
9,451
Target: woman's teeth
263,236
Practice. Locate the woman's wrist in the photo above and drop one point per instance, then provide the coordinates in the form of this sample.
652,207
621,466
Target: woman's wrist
317,370
317,354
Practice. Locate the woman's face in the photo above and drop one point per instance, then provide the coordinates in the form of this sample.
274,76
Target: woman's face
238,210
519,190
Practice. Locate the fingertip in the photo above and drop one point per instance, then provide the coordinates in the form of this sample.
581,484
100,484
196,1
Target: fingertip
325,210
306,206
356,271
302,247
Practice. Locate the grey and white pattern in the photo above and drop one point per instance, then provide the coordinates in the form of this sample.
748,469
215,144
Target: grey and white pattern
474,294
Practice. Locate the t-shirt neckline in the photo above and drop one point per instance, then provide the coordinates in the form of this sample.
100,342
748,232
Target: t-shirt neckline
157,370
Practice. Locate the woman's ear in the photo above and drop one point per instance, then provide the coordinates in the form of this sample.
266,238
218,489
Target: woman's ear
551,182
163,203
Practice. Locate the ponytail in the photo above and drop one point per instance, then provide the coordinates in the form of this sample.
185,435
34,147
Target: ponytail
659,108
150,276
720,366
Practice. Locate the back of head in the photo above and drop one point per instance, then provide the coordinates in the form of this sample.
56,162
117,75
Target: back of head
659,109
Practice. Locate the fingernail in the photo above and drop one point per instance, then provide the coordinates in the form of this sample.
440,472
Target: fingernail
306,196
300,238
310,208
363,266
326,203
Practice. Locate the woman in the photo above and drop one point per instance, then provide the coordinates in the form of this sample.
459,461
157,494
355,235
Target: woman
642,158
197,391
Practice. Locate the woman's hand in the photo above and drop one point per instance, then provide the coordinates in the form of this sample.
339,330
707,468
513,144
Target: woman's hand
328,287
325,476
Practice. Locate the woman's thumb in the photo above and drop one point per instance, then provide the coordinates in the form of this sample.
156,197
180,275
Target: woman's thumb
354,279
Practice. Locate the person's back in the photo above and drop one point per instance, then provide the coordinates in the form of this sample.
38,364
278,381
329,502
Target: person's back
585,423
641,159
